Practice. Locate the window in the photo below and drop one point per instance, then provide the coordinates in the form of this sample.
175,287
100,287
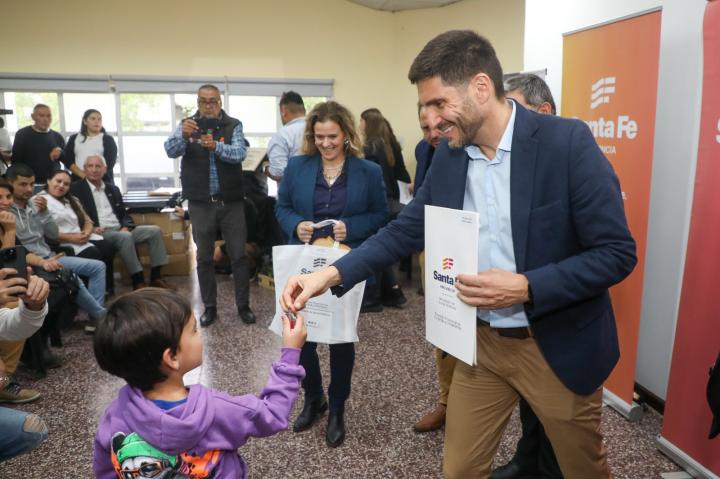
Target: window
140,113
75,105
22,103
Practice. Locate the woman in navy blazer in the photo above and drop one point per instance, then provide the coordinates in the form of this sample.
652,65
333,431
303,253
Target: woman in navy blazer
330,181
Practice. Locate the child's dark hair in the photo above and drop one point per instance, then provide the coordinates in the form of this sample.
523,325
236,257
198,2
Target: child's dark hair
139,326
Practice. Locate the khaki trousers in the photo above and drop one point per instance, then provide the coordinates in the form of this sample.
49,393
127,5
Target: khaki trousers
445,369
10,352
482,398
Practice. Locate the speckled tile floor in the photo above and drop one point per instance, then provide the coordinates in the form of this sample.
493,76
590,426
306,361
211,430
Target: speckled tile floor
393,385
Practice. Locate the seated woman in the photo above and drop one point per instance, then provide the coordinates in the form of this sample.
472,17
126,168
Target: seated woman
382,148
330,181
75,227
92,140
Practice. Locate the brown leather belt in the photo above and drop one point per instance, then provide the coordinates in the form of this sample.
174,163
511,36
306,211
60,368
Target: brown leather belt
515,333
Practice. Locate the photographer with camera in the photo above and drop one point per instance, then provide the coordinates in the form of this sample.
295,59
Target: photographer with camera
38,146
212,147
20,432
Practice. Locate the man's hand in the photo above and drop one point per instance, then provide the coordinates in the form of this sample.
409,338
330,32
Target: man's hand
207,142
99,230
55,153
125,229
52,264
7,221
189,127
304,231
299,289
411,187
11,288
492,289
37,292
340,231
40,203
294,336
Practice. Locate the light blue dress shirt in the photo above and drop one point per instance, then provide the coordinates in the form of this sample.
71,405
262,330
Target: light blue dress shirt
487,192
285,144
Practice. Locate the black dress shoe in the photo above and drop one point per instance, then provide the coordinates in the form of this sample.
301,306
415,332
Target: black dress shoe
310,413
512,470
394,298
336,428
208,317
246,315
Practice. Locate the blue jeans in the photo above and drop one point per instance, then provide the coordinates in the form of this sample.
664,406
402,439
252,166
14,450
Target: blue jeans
92,298
18,436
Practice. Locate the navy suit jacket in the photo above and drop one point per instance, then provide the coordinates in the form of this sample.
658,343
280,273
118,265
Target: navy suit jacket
423,156
570,239
366,207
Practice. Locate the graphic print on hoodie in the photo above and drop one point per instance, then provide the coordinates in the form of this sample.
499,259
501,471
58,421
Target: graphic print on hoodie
201,436
133,457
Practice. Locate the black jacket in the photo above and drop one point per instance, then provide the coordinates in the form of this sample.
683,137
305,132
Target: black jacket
81,190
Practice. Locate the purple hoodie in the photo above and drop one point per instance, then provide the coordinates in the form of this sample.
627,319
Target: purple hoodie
202,434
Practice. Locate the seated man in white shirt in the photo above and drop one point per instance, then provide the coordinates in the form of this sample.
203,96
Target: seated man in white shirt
104,204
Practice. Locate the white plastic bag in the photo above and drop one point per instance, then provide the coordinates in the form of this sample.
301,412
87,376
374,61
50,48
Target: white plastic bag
329,319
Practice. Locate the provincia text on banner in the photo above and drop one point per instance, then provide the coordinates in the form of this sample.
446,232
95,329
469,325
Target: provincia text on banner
451,248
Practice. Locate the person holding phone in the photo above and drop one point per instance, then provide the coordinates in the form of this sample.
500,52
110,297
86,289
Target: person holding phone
212,146
38,146
20,432
91,140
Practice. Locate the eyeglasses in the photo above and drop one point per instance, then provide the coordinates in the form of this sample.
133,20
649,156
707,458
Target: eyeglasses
211,102
148,469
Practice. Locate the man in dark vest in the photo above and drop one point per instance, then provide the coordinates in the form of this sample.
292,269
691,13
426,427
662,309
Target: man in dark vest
212,146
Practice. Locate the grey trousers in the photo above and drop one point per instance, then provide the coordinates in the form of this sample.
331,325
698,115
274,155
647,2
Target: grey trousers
125,241
229,218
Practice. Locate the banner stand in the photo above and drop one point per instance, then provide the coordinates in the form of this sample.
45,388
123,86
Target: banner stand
689,464
632,412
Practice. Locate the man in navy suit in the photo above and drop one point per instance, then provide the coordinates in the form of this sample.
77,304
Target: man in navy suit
553,238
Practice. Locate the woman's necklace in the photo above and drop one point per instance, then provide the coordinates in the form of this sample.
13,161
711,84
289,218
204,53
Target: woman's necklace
332,173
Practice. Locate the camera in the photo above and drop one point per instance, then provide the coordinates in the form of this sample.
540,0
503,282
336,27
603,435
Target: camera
207,125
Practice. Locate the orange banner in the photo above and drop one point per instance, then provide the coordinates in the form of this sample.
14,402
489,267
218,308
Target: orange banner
610,81
697,336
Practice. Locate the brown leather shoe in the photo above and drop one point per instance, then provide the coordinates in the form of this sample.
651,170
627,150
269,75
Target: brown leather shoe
160,283
432,421
139,286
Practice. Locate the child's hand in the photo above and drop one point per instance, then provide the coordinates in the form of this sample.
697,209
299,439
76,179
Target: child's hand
294,337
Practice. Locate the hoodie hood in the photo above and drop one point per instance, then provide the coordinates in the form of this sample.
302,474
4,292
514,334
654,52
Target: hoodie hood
175,430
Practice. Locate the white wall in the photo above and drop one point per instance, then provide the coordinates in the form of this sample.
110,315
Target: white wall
366,52
675,151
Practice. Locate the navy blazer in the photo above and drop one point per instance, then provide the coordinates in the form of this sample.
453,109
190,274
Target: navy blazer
423,156
366,208
81,190
570,239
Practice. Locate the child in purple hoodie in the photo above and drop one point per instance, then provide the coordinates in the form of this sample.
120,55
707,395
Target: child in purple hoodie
157,425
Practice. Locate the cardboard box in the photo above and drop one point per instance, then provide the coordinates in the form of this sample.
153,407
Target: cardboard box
175,243
168,221
178,265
